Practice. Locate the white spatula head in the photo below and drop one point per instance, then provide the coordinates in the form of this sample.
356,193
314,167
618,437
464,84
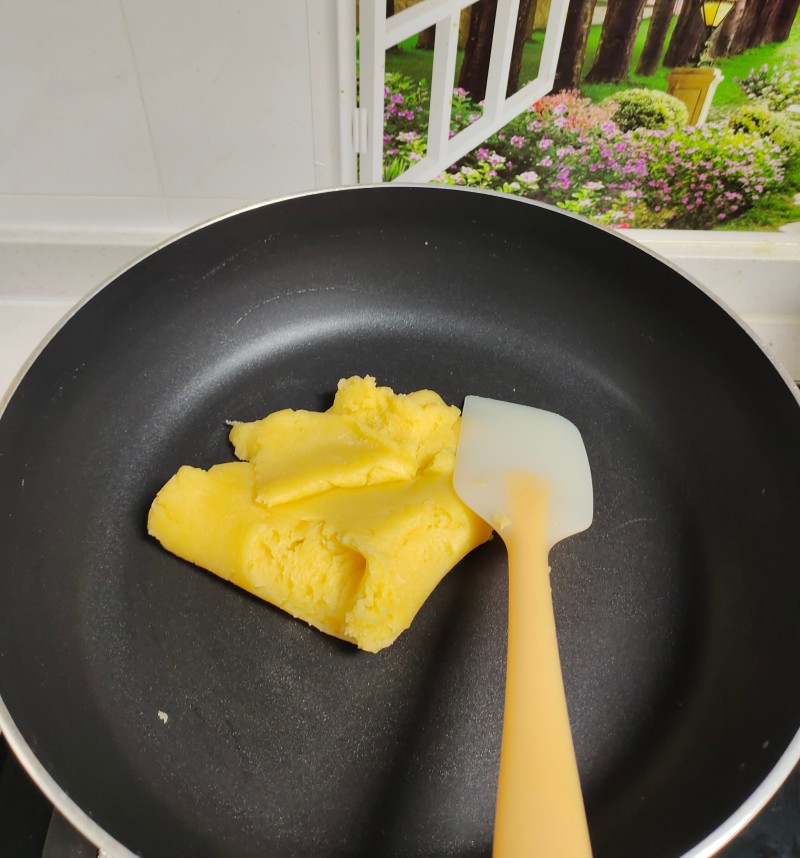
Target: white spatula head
499,438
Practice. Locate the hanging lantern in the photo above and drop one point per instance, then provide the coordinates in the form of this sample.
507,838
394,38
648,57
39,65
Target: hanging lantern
714,11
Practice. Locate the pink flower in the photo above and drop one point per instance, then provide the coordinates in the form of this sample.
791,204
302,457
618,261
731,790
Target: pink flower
397,98
545,143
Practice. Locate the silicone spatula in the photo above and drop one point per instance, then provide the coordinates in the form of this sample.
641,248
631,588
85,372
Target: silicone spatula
526,472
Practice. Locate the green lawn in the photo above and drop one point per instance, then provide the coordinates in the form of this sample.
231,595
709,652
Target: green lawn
417,64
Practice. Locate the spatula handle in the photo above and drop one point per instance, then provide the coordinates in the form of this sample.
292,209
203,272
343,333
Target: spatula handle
540,811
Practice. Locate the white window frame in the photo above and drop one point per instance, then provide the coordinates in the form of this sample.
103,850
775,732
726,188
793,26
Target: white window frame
378,33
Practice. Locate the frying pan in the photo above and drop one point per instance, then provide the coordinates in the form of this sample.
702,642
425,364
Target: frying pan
169,713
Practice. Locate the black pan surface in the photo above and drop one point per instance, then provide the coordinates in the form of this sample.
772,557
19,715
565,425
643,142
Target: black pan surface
677,611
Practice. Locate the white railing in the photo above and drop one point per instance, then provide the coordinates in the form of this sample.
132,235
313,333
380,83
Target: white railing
377,33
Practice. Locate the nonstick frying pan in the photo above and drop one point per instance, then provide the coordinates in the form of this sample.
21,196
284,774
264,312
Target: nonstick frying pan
164,710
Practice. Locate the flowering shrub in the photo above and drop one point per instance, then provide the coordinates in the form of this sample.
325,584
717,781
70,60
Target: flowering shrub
566,151
464,111
647,108
707,175
570,111
562,138
484,174
778,88
405,112
760,120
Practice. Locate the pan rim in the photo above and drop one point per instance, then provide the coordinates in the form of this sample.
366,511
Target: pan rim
95,833
756,802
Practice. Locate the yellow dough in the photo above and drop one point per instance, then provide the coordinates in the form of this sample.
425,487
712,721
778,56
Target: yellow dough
346,519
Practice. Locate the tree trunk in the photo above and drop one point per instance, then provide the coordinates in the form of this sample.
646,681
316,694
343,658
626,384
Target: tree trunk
620,27
721,45
746,31
426,38
772,22
463,27
529,21
759,34
395,49
475,67
784,20
656,35
688,37
519,43
573,45
541,12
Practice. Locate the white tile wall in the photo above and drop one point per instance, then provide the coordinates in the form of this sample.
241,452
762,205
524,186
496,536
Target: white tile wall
142,115
72,117
229,73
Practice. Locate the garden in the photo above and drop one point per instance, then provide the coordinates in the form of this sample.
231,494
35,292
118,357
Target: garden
623,154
